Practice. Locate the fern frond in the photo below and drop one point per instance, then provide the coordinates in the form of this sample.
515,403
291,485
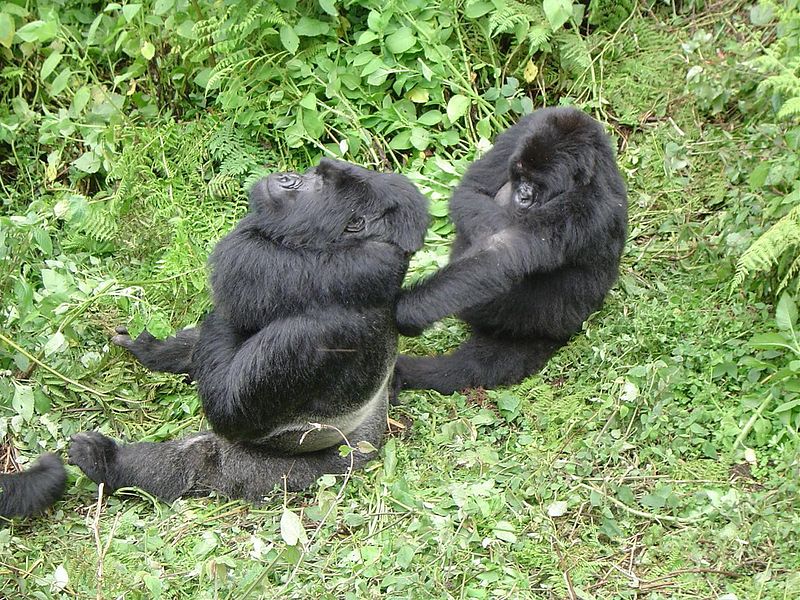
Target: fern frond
574,52
244,24
791,273
508,16
784,83
538,37
790,108
774,244
100,223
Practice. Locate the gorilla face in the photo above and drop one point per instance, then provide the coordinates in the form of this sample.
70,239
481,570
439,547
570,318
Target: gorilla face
557,157
338,204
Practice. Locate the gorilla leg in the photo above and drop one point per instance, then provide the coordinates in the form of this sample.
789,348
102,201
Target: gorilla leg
28,493
206,462
172,355
480,361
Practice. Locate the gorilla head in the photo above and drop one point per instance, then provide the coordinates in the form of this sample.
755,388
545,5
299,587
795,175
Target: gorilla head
557,156
339,204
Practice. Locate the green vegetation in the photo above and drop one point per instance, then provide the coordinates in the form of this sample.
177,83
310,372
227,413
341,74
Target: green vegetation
655,457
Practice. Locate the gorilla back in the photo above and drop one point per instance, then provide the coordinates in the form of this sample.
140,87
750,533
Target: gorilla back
302,331
541,222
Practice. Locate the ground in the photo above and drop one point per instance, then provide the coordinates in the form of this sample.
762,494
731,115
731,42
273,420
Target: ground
629,468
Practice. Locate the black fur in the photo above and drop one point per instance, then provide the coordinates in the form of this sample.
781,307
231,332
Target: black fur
302,330
540,226
32,491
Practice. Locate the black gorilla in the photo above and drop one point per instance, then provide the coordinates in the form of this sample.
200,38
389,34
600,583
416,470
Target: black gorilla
540,226
28,493
302,331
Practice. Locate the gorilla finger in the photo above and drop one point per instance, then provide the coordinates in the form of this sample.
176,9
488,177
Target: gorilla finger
122,340
121,329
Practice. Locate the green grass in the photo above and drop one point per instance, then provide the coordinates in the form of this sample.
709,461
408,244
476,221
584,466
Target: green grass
612,474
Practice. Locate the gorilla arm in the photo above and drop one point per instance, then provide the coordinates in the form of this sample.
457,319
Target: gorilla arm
172,355
237,377
554,233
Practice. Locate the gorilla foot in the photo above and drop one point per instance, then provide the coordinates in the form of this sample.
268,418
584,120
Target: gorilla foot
95,455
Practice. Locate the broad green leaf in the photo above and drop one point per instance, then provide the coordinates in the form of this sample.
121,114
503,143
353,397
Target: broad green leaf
88,162
420,138
769,340
401,40
60,82
402,141
129,11
365,447
93,29
653,501
788,405
80,99
329,6
367,37
475,10
418,95
43,241
6,29
54,282
309,101
404,556
161,7
56,343
557,12
390,457
786,313
313,124
289,39
38,31
504,531
311,27
186,29
484,416
49,64
484,128
148,50
758,176
22,402
508,403
432,117
457,107
292,530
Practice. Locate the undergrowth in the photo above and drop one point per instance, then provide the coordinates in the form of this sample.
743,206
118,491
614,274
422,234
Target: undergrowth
654,457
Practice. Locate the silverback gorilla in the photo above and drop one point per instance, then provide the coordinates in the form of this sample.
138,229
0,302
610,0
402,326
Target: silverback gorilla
540,225
28,493
302,331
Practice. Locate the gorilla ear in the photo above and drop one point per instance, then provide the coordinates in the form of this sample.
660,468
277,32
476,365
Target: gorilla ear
408,220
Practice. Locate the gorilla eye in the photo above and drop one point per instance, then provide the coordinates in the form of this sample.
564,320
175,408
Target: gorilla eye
355,225
525,201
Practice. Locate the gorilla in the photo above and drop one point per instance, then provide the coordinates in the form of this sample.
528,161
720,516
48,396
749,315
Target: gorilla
296,355
28,493
540,222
